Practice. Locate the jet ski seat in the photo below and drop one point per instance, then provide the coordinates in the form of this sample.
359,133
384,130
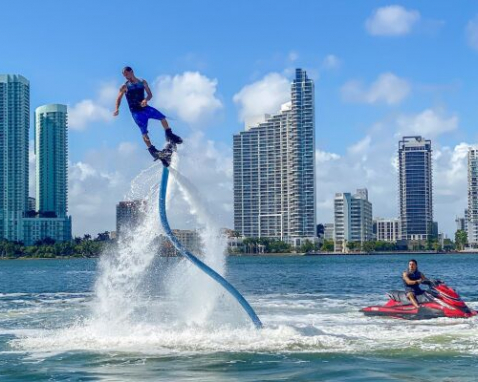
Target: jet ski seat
401,296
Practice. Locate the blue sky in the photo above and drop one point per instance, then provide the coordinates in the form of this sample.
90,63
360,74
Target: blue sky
381,69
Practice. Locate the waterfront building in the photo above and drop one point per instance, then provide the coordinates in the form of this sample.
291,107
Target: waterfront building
415,188
51,151
387,229
274,170
51,155
472,228
353,219
38,228
14,126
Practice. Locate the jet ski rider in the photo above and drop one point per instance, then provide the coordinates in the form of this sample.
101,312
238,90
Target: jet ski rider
412,278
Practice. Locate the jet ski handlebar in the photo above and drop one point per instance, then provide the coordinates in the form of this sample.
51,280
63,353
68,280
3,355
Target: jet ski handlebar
432,282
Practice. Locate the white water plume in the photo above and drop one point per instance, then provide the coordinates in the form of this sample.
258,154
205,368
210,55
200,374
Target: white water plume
199,294
119,289
131,282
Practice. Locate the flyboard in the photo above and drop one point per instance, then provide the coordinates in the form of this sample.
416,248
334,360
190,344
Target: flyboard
193,259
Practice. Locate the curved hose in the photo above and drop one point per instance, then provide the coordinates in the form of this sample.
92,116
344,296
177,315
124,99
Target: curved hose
193,259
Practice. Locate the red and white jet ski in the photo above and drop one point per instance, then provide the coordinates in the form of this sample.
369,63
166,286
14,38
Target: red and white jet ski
438,301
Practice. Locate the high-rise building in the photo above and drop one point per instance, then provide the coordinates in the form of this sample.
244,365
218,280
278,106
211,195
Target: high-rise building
472,218
14,125
51,149
353,219
415,188
342,223
274,170
387,229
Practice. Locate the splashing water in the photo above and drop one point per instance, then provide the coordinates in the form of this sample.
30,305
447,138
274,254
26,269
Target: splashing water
144,300
133,288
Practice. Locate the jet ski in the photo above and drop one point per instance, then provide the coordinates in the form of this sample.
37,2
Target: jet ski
438,301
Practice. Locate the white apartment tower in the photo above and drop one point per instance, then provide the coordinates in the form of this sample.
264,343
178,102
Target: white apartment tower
387,229
274,170
472,218
353,219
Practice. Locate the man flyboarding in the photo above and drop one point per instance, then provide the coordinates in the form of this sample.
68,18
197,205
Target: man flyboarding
135,89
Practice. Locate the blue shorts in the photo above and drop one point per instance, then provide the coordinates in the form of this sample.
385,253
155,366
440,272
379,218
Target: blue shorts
142,116
415,289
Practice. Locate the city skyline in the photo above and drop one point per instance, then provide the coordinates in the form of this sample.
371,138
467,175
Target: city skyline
374,83
19,221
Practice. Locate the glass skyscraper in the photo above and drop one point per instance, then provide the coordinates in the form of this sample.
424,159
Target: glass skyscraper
415,188
51,149
14,125
274,170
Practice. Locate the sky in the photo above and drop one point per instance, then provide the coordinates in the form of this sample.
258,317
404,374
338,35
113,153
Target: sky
382,70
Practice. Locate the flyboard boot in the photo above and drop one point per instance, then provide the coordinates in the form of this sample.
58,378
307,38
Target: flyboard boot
163,155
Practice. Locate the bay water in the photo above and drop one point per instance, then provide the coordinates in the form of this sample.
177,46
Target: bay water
58,324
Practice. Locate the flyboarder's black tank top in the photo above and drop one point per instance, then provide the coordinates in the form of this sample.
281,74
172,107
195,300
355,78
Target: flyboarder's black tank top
135,94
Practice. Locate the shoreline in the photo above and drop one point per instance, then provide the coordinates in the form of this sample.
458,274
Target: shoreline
355,253
314,254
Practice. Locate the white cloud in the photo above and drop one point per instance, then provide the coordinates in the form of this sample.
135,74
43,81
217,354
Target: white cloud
472,32
104,177
331,62
378,173
450,185
263,97
377,170
323,156
388,88
429,123
214,181
346,174
191,95
393,20
361,147
89,110
98,182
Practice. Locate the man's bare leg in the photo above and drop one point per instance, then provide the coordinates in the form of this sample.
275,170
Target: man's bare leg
165,123
146,140
411,297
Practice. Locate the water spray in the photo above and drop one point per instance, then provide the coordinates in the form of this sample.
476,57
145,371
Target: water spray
193,259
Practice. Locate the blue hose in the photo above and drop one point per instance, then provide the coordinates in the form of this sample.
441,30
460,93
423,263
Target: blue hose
193,259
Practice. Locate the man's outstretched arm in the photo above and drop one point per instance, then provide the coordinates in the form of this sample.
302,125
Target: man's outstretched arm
118,99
